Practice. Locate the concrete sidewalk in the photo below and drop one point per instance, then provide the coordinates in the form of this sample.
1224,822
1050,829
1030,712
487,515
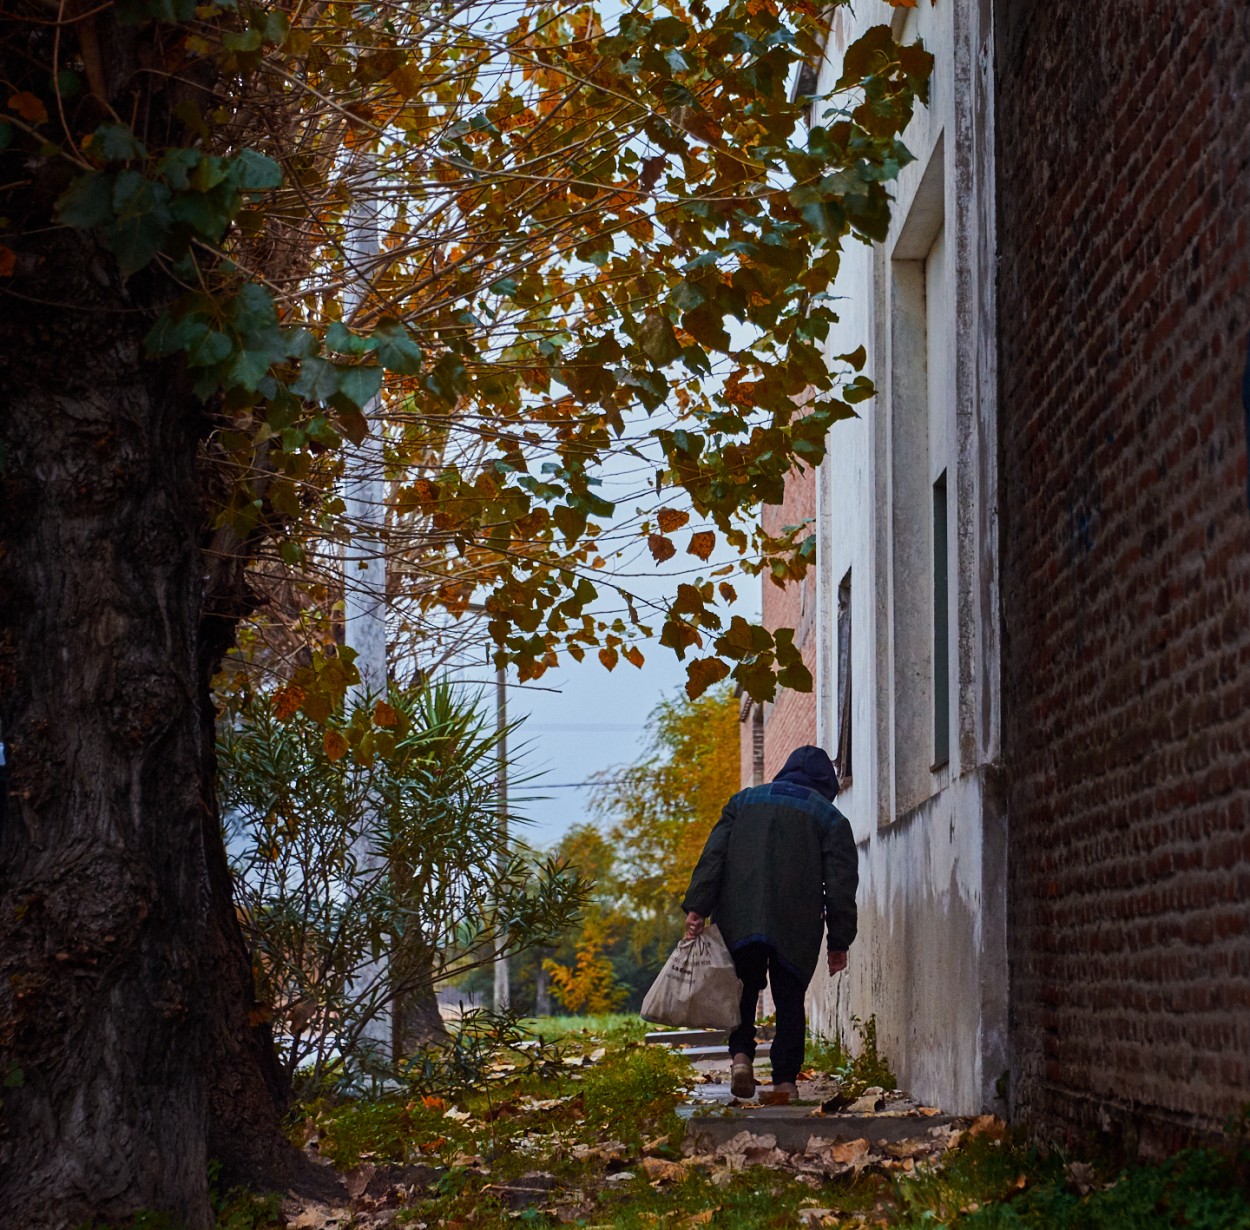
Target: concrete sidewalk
714,1116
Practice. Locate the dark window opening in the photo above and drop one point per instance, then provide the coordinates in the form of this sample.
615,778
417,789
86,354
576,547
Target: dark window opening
843,763
941,629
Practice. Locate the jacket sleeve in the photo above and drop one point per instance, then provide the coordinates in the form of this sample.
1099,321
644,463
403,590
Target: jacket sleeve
840,861
704,891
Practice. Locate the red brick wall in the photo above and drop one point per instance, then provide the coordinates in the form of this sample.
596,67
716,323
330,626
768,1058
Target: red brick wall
791,721
1123,165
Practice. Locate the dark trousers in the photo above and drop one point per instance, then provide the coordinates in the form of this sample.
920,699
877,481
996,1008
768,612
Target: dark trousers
758,964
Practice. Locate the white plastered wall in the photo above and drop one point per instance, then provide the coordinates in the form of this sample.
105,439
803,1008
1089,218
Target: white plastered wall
930,961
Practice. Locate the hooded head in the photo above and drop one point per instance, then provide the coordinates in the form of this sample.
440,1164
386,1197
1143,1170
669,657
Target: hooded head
811,767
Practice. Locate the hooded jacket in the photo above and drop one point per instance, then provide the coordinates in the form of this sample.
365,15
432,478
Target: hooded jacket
780,864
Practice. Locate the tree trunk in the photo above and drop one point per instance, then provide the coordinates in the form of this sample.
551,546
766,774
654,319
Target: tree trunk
418,1021
105,903
130,1043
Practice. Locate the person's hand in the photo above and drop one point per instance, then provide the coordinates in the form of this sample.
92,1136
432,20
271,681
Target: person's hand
694,925
837,962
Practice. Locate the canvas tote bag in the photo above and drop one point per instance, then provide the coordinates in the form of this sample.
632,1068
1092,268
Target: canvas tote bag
698,987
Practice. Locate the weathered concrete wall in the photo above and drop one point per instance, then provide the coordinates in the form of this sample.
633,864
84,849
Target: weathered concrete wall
930,961
1124,169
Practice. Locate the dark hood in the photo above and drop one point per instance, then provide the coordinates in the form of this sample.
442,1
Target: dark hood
811,767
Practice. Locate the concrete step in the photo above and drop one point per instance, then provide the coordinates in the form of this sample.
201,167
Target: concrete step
697,1053
708,1127
687,1037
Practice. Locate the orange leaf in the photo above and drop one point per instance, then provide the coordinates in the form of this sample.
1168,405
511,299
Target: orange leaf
286,701
634,655
608,657
661,548
701,544
29,107
702,673
671,519
335,745
433,1103
7,261
728,592
384,714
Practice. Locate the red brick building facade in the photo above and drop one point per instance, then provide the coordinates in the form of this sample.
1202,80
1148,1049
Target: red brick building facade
772,731
1123,165
1111,556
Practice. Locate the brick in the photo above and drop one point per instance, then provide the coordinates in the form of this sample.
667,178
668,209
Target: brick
1124,304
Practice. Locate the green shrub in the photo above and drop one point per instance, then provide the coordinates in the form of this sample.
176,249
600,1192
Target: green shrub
636,1094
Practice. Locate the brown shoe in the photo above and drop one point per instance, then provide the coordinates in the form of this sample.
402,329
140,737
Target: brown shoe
742,1076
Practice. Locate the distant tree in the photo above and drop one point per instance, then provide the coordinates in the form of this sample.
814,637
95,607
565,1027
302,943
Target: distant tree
589,985
661,808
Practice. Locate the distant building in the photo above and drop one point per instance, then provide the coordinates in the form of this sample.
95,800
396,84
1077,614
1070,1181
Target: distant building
1031,618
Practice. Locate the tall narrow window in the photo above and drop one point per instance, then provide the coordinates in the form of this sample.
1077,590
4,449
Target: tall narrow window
843,763
941,630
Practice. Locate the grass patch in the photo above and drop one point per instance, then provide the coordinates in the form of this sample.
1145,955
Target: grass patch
608,1027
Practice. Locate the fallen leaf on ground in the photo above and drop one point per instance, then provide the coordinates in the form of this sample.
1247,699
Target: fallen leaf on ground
849,1153
699,1219
660,1171
867,1105
357,1179
908,1148
318,1217
817,1217
988,1125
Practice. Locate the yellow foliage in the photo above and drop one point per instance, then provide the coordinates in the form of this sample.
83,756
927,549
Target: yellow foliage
663,806
589,986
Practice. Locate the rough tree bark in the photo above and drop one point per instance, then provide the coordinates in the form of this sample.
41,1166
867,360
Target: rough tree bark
104,894
129,1035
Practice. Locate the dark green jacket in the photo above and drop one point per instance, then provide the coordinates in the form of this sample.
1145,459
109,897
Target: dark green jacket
780,862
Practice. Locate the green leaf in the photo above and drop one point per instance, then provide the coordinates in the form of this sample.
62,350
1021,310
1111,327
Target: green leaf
176,166
318,379
657,339
360,384
208,214
116,143
142,217
339,338
211,348
242,40
247,370
258,172
396,350
254,309
87,202
796,677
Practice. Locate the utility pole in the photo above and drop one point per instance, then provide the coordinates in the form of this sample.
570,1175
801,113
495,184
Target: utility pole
364,580
503,989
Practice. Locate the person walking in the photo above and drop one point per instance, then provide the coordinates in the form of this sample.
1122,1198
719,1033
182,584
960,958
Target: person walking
779,866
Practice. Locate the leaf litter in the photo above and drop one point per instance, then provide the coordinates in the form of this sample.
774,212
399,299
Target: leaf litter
598,1145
